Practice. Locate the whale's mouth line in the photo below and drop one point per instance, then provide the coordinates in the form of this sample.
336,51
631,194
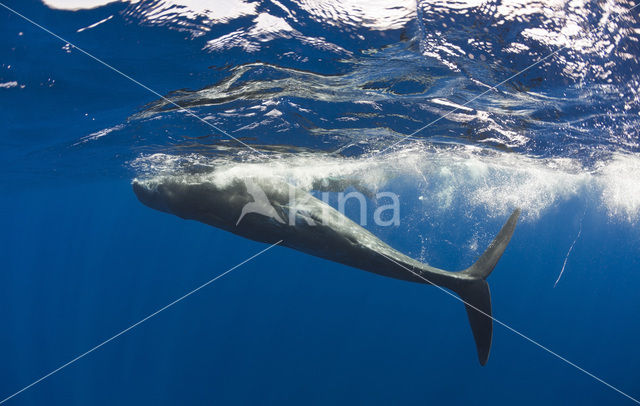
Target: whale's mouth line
148,195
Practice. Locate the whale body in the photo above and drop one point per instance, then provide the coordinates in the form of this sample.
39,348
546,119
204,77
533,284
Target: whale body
271,210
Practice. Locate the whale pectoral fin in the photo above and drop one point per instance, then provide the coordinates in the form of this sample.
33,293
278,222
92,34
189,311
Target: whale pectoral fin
477,300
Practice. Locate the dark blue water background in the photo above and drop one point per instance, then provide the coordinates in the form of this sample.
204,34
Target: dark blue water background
81,259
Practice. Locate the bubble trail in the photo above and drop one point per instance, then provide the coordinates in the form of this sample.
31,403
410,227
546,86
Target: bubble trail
566,258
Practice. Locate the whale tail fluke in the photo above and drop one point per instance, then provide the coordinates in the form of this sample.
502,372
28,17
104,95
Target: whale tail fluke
477,301
476,295
485,264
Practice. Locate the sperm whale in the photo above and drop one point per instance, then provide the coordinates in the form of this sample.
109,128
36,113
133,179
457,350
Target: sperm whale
269,210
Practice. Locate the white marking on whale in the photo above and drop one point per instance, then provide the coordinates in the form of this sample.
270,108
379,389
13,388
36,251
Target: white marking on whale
260,204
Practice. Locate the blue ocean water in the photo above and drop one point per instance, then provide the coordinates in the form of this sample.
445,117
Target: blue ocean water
327,90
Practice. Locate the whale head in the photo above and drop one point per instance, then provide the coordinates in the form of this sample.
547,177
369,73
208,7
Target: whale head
224,206
202,201
156,196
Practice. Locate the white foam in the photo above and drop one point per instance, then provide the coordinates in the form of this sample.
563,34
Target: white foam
373,14
8,85
74,5
99,134
444,179
94,25
619,180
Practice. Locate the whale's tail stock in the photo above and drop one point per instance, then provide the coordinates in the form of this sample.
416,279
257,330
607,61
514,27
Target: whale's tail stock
476,295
